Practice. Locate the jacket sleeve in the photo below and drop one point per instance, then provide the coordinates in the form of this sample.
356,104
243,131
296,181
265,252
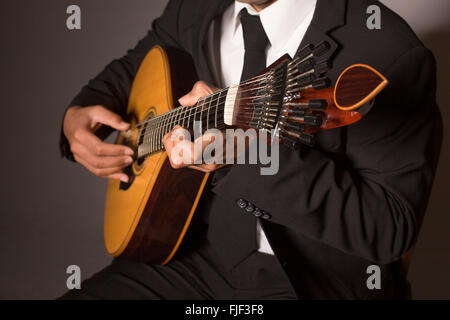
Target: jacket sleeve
111,87
368,202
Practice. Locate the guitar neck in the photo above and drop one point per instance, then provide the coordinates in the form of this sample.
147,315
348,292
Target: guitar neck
209,112
254,103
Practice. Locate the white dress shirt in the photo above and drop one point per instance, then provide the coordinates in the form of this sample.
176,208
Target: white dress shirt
285,23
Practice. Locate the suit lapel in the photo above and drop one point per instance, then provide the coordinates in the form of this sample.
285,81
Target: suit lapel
328,16
204,69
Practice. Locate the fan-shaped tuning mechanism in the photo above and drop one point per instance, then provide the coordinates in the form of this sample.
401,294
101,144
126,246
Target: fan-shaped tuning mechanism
321,49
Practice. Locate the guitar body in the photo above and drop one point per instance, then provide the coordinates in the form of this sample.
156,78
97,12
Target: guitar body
146,219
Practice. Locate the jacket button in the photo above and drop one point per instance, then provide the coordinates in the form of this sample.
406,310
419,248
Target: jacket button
250,208
241,203
266,216
258,212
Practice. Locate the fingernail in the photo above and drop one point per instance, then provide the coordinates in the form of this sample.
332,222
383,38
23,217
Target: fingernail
128,160
129,152
124,124
124,179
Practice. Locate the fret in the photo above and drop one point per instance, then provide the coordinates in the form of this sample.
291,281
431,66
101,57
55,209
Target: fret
184,115
175,120
205,107
164,124
142,149
198,115
158,134
156,130
159,129
150,133
148,139
168,125
172,121
153,133
189,118
201,112
211,100
217,108
207,114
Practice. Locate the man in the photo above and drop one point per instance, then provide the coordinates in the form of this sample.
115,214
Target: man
332,211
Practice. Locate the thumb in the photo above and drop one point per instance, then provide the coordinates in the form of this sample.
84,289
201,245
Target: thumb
111,119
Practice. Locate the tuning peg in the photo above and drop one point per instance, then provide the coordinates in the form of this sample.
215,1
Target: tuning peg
313,120
306,65
318,104
321,83
291,143
296,127
321,49
304,52
322,67
298,112
307,139
306,80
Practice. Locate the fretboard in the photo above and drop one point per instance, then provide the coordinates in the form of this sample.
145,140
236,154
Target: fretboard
209,111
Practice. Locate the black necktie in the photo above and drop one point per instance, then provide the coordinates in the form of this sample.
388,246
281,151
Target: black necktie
255,43
232,231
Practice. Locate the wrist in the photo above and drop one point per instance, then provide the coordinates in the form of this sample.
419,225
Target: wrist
67,116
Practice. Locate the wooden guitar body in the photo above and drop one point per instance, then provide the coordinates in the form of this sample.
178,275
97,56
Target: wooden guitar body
147,221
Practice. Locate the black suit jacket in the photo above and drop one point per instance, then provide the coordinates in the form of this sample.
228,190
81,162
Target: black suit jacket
358,197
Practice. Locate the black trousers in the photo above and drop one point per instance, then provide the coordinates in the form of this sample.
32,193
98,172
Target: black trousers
195,272
192,274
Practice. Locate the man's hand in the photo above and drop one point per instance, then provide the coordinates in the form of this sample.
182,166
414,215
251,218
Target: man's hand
199,90
102,159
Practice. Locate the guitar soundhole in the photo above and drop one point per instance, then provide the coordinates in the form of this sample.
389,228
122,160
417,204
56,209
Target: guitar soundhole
129,172
151,113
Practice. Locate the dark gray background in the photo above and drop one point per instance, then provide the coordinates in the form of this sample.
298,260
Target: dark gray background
51,210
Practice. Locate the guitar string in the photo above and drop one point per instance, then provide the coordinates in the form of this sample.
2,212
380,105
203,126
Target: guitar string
201,102
170,118
160,128
175,115
242,84
257,78
293,63
199,108
151,145
154,141
176,119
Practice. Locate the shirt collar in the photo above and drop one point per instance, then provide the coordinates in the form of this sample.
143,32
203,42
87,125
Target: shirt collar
279,20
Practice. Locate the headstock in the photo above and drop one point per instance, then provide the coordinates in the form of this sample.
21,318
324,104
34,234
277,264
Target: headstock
293,97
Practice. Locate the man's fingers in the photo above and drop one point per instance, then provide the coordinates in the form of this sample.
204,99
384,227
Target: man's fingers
100,148
118,176
102,115
103,173
101,162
